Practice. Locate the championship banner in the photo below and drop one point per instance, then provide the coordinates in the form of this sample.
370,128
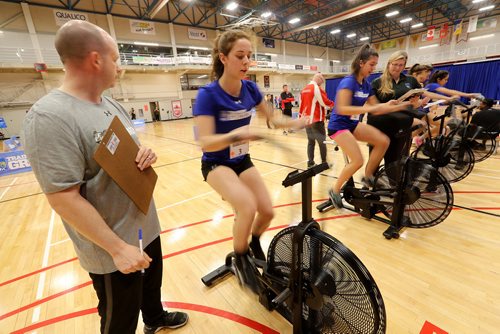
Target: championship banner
177,108
14,162
390,44
63,16
472,24
142,27
488,23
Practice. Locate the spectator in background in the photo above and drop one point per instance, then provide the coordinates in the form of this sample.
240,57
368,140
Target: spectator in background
132,114
157,114
313,105
286,103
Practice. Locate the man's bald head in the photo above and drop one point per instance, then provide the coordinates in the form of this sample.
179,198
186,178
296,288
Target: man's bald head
76,39
319,79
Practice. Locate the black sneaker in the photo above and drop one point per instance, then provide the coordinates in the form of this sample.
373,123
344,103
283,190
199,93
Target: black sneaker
170,320
310,164
336,199
368,182
246,272
256,248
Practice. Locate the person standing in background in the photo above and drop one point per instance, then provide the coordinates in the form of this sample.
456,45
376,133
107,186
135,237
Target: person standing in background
313,105
286,103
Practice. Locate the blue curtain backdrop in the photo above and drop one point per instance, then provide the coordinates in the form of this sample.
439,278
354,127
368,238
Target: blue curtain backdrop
483,77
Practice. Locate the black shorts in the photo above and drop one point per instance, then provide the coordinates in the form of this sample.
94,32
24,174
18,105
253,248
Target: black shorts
351,128
240,167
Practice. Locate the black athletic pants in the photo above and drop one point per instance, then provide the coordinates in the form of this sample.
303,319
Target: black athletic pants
121,296
316,133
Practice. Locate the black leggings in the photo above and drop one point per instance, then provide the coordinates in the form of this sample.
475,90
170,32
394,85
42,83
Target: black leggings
390,124
121,296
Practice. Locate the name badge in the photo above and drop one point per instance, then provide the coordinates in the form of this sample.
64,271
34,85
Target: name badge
238,149
355,117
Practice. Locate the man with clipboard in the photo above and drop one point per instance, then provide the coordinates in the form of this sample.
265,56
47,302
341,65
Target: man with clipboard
61,132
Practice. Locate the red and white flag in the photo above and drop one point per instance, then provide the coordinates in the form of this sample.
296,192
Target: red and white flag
430,33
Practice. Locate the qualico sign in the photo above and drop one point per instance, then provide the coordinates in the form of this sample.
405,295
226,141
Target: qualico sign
63,16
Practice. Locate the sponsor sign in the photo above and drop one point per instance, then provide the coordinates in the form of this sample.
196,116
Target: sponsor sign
13,162
142,27
197,34
268,42
63,16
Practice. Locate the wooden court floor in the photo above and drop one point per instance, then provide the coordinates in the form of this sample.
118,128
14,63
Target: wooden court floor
444,279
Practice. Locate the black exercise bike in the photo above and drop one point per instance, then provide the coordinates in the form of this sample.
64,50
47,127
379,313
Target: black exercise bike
406,193
312,279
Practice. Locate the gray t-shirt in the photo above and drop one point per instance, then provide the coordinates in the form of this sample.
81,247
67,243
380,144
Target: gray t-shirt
61,134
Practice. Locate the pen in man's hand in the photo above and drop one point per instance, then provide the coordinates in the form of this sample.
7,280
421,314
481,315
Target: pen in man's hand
140,246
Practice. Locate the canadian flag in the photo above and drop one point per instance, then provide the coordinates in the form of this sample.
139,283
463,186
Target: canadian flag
430,33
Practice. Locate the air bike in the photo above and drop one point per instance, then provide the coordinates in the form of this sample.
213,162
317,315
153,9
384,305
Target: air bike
311,278
406,193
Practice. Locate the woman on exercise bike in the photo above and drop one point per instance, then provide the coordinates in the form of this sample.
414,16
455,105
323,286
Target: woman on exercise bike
344,126
222,116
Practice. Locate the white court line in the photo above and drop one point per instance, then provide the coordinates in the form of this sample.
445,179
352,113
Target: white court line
8,188
45,261
209,192
60,242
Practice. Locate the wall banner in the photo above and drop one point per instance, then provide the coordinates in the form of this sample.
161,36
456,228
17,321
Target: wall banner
176,108
142,27
13,162
63,16
197,34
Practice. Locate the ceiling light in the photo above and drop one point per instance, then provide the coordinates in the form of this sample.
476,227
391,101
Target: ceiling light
202,76
294,20
266,14
486,8
393,13
198,48
481,37
318,59
477,1
364,38
271,54
408,19
418,25
232,6
146,43
429,46
315,27
351,35
336,31
335,61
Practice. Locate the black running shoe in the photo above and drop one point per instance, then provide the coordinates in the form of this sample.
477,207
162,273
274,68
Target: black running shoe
246,272
170,320
310,164
368,182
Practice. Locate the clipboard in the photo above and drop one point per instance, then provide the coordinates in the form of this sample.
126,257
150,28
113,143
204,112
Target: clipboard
116,155
412,92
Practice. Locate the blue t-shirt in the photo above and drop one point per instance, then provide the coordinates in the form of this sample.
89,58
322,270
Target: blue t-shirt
360,93
230,112
432,87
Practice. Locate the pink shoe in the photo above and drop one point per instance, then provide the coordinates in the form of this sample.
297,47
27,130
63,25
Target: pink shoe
418,141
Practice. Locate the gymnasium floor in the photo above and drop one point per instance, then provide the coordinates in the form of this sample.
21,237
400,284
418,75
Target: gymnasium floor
443,279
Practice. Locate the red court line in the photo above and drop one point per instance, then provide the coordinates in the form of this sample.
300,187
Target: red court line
177,305
43,300
164,257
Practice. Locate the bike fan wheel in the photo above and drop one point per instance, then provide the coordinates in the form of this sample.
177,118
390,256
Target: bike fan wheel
428,195
483,148
340,295
453,160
